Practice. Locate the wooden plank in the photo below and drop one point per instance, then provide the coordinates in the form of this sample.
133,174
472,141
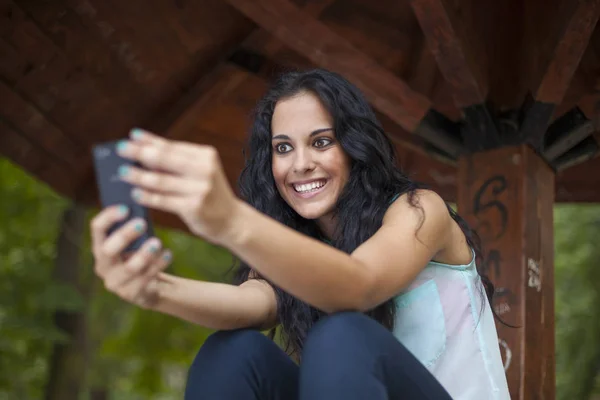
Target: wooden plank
461,66
568,52
556,77
35,160
62,91
28,120
315,41
266,46
382,30
507,196
211,87
568,140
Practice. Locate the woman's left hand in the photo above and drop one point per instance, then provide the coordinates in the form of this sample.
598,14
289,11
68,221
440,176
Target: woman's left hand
182,178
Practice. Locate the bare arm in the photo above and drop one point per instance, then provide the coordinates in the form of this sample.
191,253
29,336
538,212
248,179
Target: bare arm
333,280
217,305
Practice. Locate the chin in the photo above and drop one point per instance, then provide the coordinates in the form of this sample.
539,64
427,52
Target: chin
311,214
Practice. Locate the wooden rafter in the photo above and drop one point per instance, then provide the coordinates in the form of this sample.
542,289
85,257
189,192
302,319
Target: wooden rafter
566,55
323,47
447,40
449,47
268,47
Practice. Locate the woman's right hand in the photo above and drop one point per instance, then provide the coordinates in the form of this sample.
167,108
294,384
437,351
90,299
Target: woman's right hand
133,277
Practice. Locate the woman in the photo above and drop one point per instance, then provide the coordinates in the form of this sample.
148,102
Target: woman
372,278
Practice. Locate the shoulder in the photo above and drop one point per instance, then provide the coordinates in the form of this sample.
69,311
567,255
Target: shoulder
423,206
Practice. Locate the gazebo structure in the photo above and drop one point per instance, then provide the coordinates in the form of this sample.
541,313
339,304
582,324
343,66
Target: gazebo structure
495,104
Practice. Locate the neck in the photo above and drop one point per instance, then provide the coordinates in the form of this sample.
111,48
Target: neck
327,224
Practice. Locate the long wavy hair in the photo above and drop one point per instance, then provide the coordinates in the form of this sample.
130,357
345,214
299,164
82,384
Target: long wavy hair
375,178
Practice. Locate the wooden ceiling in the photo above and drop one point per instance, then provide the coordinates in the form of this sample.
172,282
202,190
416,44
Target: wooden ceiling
77,72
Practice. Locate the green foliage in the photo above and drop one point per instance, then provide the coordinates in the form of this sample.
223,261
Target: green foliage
135,354
29,217
577,281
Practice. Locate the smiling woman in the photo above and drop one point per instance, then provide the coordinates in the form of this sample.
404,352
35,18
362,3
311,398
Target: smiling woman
372,278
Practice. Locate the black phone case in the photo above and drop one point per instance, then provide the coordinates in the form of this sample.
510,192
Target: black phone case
115,191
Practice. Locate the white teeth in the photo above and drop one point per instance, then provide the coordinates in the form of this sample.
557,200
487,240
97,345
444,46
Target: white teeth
309,187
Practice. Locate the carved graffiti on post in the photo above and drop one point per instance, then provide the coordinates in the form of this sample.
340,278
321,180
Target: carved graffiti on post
534,275
486,202
506,196
498,185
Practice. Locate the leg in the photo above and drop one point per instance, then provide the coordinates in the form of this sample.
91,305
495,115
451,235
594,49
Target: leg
350,356
240,365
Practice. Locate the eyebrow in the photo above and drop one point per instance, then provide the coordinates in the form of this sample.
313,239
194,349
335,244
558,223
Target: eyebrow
313,133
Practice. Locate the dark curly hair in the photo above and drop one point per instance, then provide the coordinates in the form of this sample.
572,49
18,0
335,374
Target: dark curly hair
374,180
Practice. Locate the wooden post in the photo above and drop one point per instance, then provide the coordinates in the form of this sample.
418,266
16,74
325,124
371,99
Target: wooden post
507,195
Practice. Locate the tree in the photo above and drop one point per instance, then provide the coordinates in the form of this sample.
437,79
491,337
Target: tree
577,228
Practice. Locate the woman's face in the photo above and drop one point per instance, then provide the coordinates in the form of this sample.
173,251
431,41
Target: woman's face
309,165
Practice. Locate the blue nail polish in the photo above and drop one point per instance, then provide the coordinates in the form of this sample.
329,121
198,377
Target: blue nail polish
123,170
167,256
153,248
123,210
122,145
136,133
136,194
139,227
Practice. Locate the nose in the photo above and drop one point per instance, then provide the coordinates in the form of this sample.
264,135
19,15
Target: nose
303,162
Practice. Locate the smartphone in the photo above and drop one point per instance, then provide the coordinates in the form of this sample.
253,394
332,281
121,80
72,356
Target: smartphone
114,191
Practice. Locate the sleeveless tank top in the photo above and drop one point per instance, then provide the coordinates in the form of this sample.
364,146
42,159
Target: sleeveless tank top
445,320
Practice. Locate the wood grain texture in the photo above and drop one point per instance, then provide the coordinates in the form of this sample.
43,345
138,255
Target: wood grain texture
507,195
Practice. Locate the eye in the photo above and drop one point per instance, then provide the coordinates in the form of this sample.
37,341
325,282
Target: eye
282,148
322,142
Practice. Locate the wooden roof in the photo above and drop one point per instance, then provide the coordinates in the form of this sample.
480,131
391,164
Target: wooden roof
445,76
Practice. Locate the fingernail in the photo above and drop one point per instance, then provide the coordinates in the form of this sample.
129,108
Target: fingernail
136,194
167,256
122,145
139,226
153,248
123,210
123,171
136,133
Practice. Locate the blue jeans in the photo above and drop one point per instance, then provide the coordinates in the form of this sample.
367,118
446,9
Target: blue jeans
346,356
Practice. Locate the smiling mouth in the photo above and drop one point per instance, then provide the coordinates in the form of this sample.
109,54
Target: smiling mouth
309,187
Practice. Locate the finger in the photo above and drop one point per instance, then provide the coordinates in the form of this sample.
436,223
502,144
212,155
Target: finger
119,279
158,181
173,203
142,289
102,222
176,157
143,136
142,258
123,237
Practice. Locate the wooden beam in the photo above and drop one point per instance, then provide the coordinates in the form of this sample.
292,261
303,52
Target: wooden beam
565,133
448,44
566,55
507,195
218,83
36,128
462,67
33,159
583,151
324,48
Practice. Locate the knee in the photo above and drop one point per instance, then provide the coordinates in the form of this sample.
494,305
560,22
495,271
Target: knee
229,347
338,331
